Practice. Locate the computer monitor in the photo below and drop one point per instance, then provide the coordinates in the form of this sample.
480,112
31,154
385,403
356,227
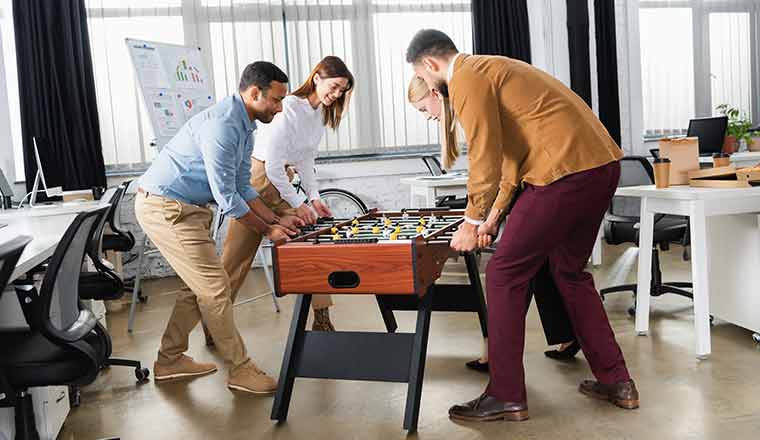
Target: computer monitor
40,177
711,133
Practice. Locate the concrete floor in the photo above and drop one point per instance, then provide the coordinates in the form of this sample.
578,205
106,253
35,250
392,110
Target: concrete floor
681,398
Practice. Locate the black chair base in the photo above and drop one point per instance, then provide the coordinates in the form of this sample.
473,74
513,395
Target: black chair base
141,374
658,290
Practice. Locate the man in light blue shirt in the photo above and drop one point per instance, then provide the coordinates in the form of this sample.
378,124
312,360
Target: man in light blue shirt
209,159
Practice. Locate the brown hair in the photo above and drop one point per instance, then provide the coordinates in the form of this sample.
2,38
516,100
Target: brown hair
418,90
329,67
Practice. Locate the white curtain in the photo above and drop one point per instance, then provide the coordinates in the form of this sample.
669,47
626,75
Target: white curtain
369,35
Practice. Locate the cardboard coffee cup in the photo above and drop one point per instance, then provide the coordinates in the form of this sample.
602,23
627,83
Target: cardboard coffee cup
662,172
721,160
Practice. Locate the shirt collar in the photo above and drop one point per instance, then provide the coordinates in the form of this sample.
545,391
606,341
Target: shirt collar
451,66
249,125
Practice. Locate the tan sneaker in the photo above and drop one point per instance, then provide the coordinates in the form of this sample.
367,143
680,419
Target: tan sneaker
250,379
183,367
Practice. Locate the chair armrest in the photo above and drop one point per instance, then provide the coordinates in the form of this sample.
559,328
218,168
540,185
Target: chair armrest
28,300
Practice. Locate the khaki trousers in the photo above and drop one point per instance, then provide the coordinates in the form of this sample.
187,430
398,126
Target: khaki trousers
182,233
241,243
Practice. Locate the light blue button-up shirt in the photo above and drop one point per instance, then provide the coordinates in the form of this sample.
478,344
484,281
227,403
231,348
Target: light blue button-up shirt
208,159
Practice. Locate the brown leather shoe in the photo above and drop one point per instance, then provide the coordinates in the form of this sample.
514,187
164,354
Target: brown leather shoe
622,394
486,408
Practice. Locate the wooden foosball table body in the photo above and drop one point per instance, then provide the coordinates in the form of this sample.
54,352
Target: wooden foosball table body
397,258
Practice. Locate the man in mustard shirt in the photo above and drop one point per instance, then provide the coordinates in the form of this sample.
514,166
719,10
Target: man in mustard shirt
524,128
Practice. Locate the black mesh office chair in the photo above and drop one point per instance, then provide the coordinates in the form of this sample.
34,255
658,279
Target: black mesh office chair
106,285
621,225
58,347
117,240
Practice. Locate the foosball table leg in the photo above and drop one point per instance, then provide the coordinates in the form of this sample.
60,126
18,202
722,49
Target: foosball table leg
477,289
417,367
387,313
293,350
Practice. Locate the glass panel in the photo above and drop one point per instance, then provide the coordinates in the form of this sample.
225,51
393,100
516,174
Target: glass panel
667,69
730,60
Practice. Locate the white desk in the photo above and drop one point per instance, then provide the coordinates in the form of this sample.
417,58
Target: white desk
46,226
46,232
425,189
51,210
740,160
725,253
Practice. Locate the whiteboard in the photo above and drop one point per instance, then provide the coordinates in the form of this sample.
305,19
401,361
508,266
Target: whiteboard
174,83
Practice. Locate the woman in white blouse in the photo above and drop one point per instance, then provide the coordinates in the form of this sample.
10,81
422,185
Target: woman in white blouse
292,139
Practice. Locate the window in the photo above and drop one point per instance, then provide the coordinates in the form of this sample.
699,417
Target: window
696,55
11,84
125,129
369,35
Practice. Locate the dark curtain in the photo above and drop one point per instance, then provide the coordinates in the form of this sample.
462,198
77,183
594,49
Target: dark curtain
500,27
578,42
57,93
606,65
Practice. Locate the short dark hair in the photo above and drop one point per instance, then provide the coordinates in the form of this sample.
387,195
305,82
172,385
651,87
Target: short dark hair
261,74
429,43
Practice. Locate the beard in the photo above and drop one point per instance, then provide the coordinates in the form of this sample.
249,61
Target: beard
442,88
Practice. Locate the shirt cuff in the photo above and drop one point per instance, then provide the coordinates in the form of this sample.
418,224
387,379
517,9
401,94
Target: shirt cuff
248,194
295,200
237,209
473,221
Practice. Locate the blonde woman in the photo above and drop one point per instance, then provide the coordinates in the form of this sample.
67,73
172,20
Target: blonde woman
554,318
292,139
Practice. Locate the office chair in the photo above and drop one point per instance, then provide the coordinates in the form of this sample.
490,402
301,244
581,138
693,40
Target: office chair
118,240
621,225
106,285
57,348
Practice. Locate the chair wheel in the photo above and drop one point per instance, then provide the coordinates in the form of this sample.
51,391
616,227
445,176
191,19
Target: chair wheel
756,338
142,299
632,311
142,374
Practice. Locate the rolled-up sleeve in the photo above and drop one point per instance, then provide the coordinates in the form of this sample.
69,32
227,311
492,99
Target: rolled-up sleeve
219,146
243,177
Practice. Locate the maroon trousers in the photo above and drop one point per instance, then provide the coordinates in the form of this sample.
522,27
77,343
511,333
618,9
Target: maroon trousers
560,222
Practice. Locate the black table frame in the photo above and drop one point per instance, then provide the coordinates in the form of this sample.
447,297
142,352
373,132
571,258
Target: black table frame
374,356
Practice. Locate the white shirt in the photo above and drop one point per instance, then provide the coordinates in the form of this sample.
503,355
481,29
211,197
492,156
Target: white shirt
291,138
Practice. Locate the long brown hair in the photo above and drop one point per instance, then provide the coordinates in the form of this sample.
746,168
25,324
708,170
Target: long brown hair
418,90
330,67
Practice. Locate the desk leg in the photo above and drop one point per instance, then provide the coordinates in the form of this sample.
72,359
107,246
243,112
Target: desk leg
430,198
644,279
700,279
596,254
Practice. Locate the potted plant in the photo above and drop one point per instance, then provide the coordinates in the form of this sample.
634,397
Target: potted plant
738,129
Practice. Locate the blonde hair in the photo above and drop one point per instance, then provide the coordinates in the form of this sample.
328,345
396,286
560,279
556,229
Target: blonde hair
418,90
329,67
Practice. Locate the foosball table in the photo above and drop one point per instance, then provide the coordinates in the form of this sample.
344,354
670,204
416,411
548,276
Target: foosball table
396,256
